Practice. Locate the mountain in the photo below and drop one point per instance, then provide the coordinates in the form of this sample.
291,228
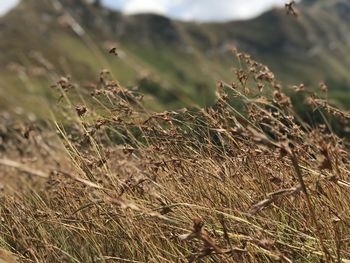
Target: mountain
42,40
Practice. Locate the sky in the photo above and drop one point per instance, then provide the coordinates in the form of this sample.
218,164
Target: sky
200,10
6,5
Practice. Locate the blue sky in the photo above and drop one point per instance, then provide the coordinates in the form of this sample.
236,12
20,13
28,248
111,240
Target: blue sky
200,10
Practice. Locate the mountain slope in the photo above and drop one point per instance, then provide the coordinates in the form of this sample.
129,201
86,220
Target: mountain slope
45,39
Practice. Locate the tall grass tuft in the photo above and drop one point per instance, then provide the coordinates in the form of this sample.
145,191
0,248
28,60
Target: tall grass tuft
243,180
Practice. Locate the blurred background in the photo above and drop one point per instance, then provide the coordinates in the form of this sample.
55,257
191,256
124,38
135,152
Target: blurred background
173,51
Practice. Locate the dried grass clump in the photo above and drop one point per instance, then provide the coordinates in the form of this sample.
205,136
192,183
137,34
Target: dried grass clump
219,184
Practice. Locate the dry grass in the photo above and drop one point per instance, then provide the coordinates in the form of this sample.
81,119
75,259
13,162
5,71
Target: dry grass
220,184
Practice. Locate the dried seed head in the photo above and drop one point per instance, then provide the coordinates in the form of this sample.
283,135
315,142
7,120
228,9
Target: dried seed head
113,51
81,110
299,88
290,9
323,87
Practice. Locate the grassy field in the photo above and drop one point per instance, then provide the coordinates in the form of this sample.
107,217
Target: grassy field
243,180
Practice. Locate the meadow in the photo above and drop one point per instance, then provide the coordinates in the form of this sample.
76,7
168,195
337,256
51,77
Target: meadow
246,179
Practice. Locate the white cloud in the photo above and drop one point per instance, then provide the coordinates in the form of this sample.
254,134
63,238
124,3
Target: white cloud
202,10
224,10
145,6
6,5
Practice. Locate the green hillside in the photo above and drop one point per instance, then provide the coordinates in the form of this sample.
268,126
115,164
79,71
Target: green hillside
176,63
